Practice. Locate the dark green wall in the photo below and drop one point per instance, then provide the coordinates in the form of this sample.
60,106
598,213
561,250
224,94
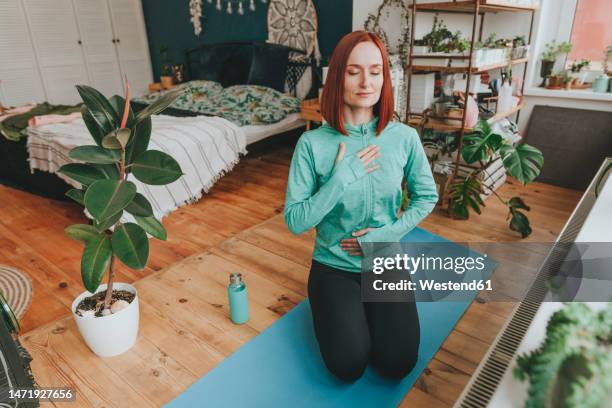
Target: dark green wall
168,24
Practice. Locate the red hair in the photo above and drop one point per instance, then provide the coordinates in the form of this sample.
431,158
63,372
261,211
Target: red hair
332,98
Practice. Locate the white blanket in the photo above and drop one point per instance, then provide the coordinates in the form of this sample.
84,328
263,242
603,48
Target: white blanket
205,147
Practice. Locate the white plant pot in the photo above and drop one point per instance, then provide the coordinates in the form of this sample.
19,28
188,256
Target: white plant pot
110,335
420,49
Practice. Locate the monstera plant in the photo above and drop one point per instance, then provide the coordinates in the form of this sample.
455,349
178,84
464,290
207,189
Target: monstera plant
120,149
481,148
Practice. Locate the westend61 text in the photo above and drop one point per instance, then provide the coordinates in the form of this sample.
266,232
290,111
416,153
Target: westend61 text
430,285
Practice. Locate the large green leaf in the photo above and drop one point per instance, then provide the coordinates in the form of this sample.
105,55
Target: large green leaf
85,174
107,223
77,195
160,104
156,168
118,103
523,162
131,245
140,206
96,258
110,171
139,141
96,132
101,109
82,232
519,221
105,198
94,154
110,141
480,145
465,194
152,226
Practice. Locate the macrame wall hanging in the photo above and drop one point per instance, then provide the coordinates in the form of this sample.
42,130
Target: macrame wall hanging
374,23
294,23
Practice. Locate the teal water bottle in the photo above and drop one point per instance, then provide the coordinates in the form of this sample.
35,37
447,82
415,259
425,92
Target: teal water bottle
238,299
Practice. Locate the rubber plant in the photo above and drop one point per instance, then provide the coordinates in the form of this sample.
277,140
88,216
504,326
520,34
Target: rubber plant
120,151
481,148
571,368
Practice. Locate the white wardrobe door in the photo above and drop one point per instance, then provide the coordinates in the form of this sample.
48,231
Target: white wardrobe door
96,31
132,45
56,41
20,81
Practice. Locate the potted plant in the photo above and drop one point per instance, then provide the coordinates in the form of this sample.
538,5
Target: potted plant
481,148
420,47
576,71
520,48
549,56
167,75
571,367
107,315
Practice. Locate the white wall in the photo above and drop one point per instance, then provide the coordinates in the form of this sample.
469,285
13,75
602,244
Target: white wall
556,24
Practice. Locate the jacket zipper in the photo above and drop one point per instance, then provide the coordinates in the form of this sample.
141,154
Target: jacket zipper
364,132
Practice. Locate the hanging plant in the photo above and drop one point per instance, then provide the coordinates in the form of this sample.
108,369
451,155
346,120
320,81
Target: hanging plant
373,24
195,11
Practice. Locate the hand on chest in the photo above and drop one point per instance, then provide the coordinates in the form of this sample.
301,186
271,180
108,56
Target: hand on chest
391,163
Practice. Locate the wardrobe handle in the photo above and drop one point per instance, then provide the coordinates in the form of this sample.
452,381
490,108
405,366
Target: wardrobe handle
118,40
114,40
79,42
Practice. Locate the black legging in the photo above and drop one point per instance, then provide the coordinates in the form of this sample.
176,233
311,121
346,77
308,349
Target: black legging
350,331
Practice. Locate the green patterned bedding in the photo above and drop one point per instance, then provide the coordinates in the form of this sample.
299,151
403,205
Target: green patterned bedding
241,104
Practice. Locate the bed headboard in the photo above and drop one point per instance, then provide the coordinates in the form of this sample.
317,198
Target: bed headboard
256,63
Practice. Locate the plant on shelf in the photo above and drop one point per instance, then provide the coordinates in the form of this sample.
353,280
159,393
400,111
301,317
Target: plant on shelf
166,78
571,367
481,148
519,41
438,37
520,48
103,169
577,66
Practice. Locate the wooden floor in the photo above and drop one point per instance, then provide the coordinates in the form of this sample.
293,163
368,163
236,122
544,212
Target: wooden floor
32,239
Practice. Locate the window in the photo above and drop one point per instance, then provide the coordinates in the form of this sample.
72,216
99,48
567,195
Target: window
591,33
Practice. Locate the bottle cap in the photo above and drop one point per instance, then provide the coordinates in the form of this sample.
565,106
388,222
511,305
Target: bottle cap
235,278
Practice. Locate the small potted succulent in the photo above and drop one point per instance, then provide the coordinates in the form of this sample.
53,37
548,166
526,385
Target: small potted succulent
579,76
520,48
549,57
107,315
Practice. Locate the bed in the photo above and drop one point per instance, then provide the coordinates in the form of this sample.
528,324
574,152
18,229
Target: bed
232,67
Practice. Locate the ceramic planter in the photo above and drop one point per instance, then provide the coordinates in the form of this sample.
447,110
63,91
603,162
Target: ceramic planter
600,84
166,82
420,49
110,335
545,70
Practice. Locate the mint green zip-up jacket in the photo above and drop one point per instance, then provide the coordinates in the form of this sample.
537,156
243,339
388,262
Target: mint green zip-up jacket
340,199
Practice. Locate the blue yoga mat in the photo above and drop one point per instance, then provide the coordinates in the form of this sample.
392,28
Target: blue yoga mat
282,366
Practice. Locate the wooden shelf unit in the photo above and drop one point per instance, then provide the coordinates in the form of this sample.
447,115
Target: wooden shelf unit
474,70
468,7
